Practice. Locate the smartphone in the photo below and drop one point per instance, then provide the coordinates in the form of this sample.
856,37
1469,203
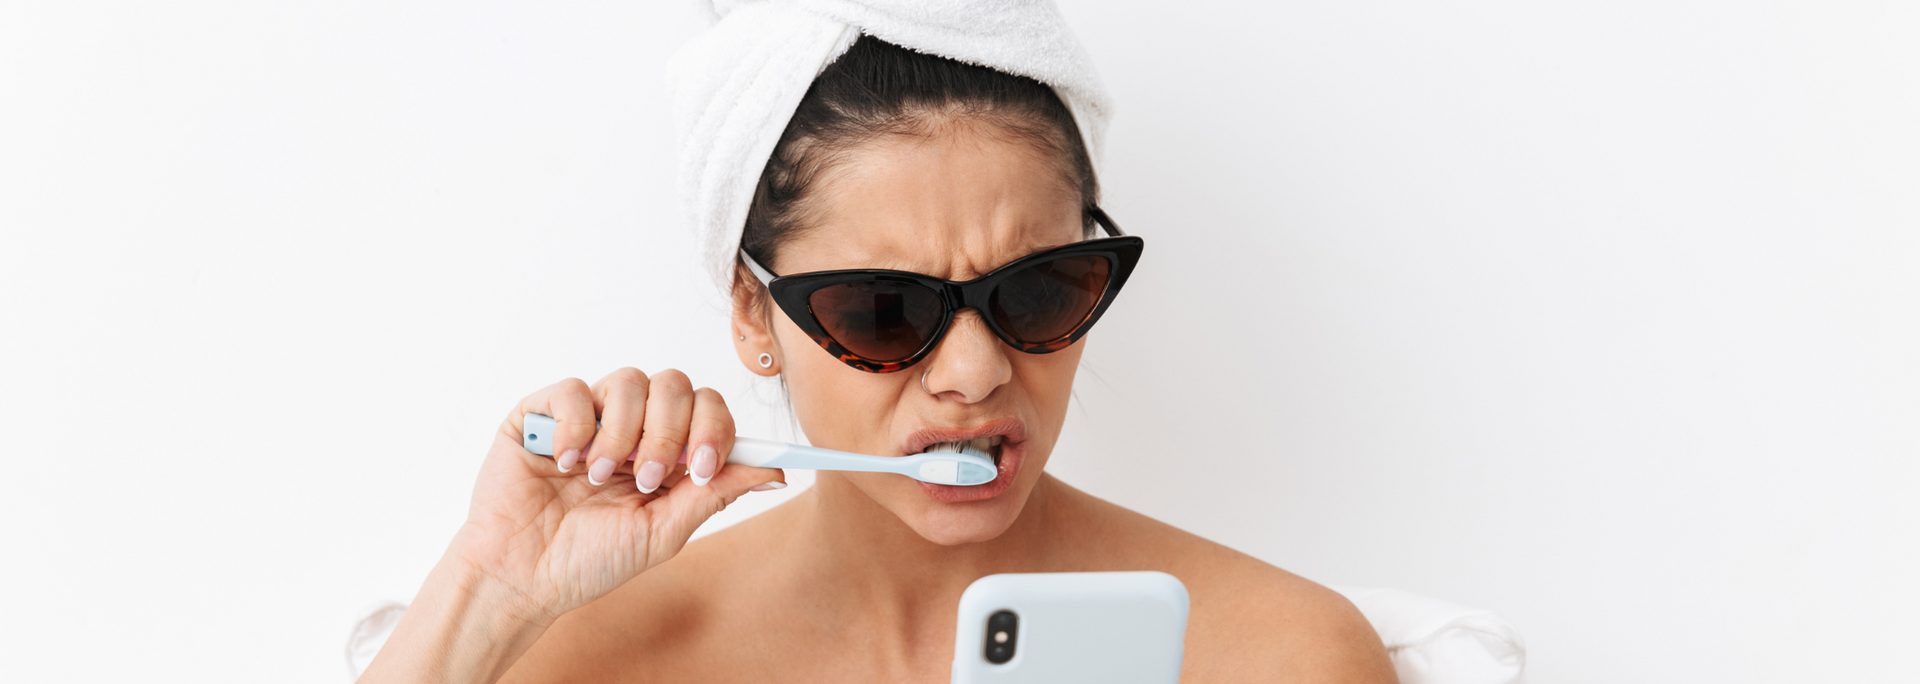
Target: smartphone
1057,627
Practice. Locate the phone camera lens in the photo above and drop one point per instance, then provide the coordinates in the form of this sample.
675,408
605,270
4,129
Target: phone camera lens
1003,633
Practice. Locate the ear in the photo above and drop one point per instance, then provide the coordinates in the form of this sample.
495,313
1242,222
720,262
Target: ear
751,322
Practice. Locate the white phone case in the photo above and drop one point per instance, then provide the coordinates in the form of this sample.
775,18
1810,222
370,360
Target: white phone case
1107,627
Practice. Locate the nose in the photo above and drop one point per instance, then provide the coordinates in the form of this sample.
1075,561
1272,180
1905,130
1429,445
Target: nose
970,362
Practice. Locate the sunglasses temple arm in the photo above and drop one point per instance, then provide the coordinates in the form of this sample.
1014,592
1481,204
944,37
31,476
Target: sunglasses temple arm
1106,222
760,272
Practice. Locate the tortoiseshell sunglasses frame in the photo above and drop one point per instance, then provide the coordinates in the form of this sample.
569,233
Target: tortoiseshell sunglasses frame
792,292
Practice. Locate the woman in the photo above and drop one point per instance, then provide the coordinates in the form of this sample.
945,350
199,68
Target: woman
573,569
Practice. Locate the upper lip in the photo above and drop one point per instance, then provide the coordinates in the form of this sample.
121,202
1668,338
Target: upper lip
1013,429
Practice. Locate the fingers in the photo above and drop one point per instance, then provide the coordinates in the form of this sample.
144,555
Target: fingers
570,404
710,436
621,399
676,514
657,422
663,437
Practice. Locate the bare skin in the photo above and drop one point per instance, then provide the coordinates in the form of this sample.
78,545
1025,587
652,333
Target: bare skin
858,578
815,613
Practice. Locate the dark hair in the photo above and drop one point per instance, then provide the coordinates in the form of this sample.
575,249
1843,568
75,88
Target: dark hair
878,89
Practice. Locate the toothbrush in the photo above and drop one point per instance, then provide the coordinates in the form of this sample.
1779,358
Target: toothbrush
966,468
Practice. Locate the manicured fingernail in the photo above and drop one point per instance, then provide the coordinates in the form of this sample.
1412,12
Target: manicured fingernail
568,460
768,487
705,461
649,477
601,471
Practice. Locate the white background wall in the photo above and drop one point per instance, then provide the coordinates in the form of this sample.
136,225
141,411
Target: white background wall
1602,315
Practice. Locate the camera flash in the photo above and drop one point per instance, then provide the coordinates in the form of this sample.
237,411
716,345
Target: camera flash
999,637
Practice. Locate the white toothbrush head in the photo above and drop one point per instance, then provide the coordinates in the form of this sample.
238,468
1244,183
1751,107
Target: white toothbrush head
967,467
978,470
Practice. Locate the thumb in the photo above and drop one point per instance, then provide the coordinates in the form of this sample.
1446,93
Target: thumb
675,516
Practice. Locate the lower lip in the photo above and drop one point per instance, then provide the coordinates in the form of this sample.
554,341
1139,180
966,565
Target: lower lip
1010,456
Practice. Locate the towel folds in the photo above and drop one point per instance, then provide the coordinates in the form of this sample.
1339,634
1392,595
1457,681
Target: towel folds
736,85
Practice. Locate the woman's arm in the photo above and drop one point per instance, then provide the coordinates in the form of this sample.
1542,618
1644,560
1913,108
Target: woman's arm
540,541
463,626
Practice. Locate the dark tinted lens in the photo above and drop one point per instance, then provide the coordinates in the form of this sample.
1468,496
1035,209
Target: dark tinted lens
1045,301
879,320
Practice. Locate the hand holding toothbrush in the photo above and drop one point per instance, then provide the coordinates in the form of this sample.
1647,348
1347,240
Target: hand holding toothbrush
543,537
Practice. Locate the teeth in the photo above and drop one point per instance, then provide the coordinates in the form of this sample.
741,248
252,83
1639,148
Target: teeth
986,444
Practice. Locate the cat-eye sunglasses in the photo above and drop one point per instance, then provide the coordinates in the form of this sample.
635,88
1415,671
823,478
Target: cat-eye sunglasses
881,321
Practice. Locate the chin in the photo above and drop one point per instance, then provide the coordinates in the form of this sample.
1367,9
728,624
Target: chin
953,524
979,518
950,515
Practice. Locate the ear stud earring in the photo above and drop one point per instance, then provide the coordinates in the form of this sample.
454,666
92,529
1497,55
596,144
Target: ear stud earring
766,360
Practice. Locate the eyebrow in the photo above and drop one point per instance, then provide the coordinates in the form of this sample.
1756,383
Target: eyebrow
766,275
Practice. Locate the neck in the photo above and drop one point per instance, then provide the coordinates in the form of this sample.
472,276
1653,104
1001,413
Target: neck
873,569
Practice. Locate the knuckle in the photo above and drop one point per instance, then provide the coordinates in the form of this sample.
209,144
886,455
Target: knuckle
664,443
710,426
626,378
572,388
618,436
709,405
673,383
663,437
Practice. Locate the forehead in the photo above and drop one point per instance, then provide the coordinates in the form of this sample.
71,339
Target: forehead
953,204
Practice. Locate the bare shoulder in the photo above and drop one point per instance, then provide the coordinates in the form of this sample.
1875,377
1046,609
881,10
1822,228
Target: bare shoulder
1253,620
1250,620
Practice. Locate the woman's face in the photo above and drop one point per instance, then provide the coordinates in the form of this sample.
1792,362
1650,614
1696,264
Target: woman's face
955,204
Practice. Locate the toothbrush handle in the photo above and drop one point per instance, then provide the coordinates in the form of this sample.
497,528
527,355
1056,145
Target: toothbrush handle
766,454
538,438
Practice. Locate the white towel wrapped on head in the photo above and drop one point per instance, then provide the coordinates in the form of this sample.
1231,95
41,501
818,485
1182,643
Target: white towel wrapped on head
736,85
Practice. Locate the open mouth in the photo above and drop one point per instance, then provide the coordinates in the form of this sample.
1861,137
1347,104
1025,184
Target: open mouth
989,445
1003,441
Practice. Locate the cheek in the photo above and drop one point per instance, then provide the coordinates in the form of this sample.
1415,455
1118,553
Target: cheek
1049,379
838,406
